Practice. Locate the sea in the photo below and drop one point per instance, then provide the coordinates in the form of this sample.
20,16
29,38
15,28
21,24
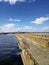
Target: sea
9,50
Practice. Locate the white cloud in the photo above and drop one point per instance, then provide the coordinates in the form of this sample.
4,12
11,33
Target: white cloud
13,28
45,29
8,28
31,1
1,0
16,20
12,2
40,20
26,29
10,19
9,25
32,29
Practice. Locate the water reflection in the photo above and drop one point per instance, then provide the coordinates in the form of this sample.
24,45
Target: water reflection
8,50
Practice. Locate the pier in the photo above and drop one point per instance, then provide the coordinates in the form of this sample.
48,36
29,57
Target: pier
35,48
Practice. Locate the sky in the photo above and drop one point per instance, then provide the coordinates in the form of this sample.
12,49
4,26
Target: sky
24,15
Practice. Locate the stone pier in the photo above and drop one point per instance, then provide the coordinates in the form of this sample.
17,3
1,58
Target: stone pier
33,53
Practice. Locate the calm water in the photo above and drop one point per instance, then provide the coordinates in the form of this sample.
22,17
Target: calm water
9,49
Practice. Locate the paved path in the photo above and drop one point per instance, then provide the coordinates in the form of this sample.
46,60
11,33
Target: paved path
40,54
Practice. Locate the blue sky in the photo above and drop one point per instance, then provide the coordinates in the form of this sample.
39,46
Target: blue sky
24,15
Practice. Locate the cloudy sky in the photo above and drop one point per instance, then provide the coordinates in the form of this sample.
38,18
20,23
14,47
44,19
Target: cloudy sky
24,15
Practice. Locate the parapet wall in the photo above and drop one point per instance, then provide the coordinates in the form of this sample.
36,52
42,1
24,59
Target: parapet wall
35,50
39,39
25,55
